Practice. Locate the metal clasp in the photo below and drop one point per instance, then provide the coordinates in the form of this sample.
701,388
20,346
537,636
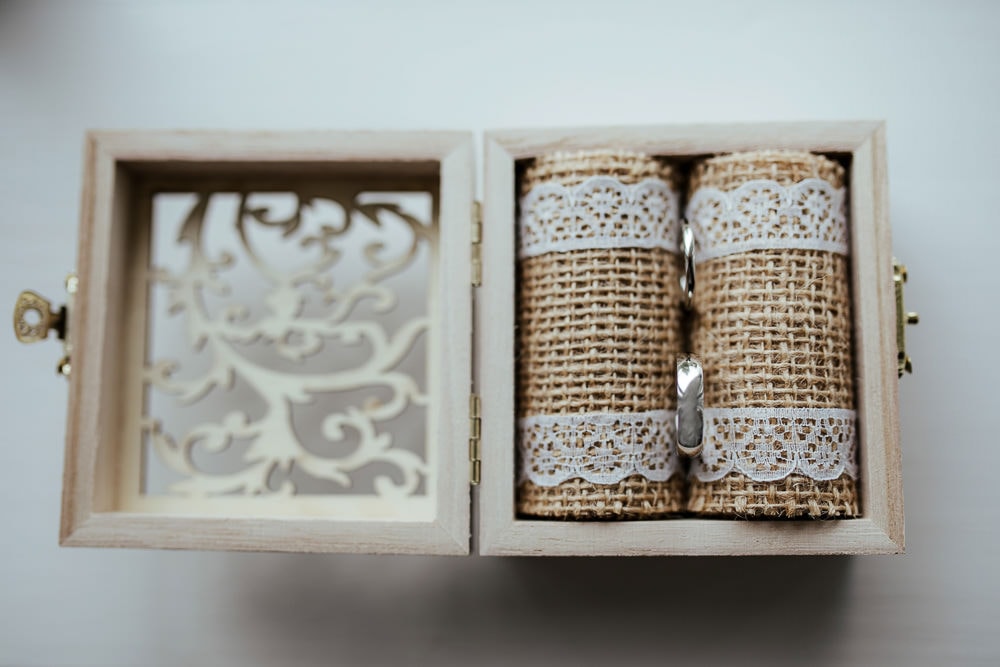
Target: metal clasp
899,276
35,318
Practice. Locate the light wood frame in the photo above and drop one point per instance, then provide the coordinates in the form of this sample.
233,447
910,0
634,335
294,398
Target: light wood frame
880,530
115,165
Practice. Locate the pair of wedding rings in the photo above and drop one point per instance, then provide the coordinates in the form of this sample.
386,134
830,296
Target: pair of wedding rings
689,421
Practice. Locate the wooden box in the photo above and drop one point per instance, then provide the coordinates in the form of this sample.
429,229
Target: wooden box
465,325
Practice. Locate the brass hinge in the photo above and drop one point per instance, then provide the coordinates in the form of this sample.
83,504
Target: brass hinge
477,244
903,362
475,438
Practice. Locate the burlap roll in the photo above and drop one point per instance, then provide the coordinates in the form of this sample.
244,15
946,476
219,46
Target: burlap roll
773,330
598,331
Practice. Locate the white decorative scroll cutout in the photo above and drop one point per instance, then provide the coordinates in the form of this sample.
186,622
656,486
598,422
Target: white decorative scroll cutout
600,448
763,214
769,444
601,212
369,352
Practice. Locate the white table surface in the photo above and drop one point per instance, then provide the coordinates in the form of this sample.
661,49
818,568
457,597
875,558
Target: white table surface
931,69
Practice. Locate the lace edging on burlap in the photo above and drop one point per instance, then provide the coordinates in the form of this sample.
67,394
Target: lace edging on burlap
601,212
763,214
601,448
768,444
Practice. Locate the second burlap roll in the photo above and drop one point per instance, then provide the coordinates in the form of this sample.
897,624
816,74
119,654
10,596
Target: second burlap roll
598,331
773,330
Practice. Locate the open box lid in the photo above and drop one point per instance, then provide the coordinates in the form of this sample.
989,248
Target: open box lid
370,476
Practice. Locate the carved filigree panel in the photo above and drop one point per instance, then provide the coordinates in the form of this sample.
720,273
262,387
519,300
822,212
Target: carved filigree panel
287,344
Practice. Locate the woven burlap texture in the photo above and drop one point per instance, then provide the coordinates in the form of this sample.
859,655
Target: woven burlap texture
573,168
632,498
598,330
773,329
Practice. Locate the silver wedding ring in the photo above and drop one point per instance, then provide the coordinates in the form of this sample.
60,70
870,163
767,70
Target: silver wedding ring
687,278
690,421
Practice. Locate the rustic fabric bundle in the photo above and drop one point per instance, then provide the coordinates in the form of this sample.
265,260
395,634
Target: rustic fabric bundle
598,331
773,330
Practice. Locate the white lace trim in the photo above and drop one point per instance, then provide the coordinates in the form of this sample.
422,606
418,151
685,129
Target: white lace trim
768,444
763,214
601,212
601,448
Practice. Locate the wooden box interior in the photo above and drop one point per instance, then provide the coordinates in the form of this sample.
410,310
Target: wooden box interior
880,528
